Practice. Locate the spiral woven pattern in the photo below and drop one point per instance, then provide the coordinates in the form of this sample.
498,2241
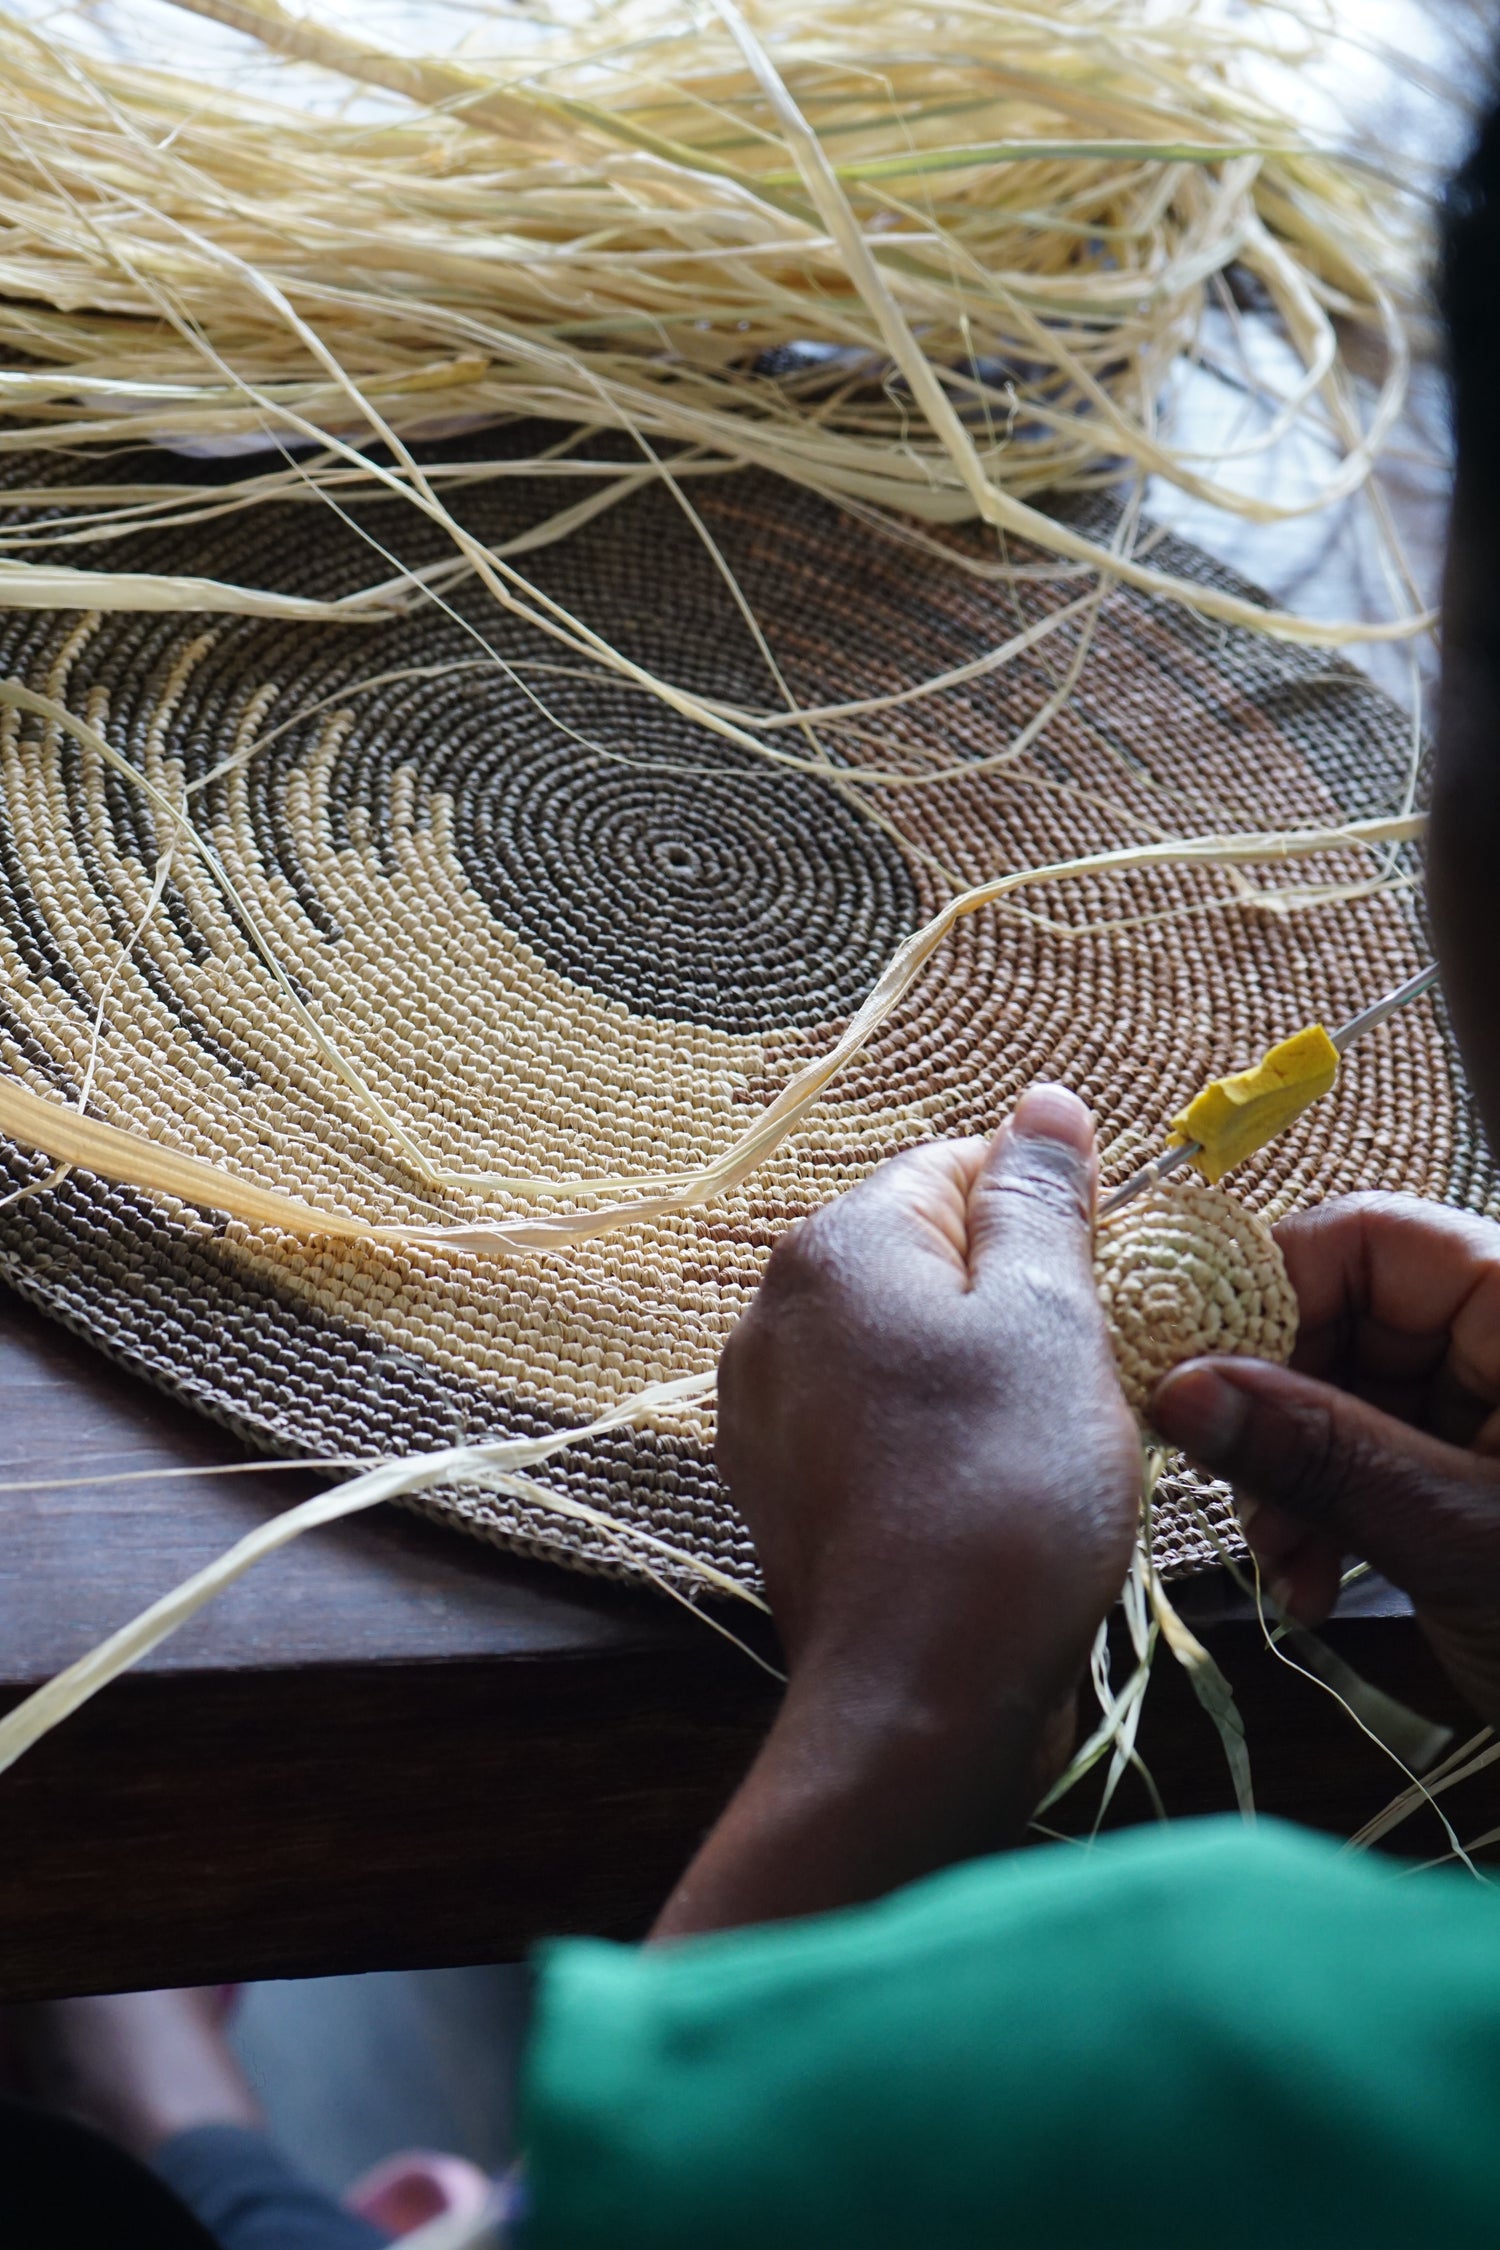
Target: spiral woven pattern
773,900
1187,1270
561,931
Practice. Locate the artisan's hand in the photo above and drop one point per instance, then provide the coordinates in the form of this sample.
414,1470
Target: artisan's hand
920,1420
1383,1440
919,1416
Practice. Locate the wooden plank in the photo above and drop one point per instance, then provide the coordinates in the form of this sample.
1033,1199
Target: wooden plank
75,1563
199,1829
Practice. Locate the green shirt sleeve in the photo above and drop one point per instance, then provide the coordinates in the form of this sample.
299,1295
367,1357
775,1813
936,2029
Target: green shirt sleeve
1200,2035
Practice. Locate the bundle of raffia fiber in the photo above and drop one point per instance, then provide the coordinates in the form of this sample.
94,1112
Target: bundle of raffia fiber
929,265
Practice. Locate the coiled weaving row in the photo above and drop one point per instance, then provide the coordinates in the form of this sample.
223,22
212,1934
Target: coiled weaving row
1187,1270
564,931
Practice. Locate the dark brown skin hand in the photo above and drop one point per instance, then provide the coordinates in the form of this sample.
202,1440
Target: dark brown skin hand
920,1420
1383,1439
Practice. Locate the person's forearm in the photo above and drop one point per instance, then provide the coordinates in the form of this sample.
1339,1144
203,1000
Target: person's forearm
920,1420
862,1785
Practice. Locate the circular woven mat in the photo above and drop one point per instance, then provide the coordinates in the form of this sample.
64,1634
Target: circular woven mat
562,931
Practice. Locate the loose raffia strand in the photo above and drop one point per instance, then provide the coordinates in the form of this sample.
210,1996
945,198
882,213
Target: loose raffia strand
621,221
48,1706
116,1154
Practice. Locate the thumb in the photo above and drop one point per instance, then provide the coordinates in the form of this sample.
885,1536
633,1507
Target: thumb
1427,1515
1033,1195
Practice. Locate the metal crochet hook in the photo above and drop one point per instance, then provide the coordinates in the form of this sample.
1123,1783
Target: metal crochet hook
1184,1151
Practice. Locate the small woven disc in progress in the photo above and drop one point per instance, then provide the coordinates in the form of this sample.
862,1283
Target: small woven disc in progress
1184,1271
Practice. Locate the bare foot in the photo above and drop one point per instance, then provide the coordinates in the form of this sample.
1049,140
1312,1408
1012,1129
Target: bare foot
138,2066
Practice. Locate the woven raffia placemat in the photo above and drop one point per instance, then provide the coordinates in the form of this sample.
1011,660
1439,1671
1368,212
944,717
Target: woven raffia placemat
563,931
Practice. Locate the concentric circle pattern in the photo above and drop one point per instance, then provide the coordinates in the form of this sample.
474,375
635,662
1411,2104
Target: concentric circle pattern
548,928
1186,1271
722,893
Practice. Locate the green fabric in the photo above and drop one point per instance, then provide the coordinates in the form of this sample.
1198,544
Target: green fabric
1200,2035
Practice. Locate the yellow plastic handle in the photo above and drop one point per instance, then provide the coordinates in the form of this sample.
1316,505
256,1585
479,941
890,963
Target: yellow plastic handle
1233,1117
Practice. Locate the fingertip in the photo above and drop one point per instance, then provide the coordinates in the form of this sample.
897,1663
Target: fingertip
1039,1174
1048,1135
1054,1113
1196,1407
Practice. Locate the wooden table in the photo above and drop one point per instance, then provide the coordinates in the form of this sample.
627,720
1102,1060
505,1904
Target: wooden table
394,1746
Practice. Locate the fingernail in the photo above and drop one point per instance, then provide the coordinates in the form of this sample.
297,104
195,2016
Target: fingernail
1053,1113
1282,1593
1198,1410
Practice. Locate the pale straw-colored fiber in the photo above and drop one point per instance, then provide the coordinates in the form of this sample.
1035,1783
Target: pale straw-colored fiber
1185,1270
